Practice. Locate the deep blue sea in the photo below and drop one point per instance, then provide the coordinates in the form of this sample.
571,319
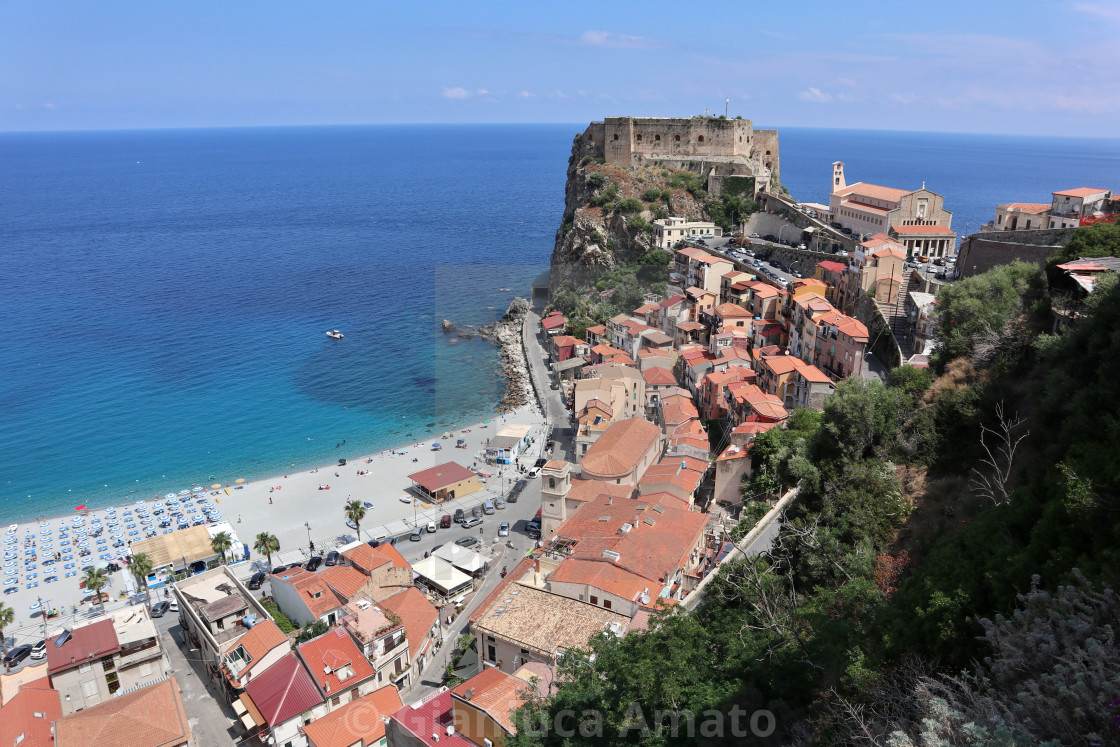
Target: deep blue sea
164,295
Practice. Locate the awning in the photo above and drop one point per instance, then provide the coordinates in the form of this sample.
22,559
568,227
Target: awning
252,718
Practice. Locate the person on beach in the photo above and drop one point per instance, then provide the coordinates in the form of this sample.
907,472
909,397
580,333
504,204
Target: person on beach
270,500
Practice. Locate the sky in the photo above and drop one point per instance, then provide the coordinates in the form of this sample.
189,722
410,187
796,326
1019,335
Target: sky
990,66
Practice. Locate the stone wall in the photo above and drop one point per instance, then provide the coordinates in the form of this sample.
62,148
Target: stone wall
981,252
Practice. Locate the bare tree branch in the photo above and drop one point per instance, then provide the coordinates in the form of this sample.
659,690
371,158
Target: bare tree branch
995,482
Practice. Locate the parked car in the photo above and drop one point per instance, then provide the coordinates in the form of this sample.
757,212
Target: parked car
499,504
533,529
332,558
488,507
159,609
472,522
554,385
540,462
314,563
754,235
432,528
279,569
174,606
503,530
467,541
460,516
17,655
257,580
417,534
940,261
39,650
534,471
476,512
445,521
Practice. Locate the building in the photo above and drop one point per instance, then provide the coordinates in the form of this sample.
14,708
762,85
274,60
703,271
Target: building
591,422
734,464
811,387
152,716
876,269
256,651
680,476
213,609
623,452
339,669
1071,208
90,664
27,718
306,597
509,443
1019,216
485,704
280,701
382,640
563,347
445,482
420,619
915,218
359,723
726,148
831,273
554,324
427,723
668,231
622,388
561,495
387,570
177,550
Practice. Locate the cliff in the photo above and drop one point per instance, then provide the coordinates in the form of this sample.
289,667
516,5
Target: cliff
601,229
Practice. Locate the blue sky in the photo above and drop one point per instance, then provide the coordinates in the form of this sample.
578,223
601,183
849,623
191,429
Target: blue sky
1046,68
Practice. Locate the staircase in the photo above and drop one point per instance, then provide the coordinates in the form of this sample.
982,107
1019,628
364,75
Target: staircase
895,314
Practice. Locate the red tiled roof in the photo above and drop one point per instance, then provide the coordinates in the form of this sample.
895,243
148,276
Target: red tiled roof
659,376
859,205
312,589
357,722
813,374
262,638
87,643
733,452
921,229
562,341
366,559
283,690
672,301
587,490
874,190
440,476
621,447
831,266
495,692
598,329
150,717
334,651
754,428
690,326
28,716
647,308
781,364
553,321
764,291
344,580
731,309
1028,207
417,615
1081,192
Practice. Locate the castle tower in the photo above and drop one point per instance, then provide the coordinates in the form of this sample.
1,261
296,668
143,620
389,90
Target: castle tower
556,482
838,182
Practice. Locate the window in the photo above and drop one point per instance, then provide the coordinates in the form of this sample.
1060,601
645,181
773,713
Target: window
335,701
615,136
107,665
85,667
700,138
491,654
657,138
594,599
607,604
676,138
552,482
113,682
639,136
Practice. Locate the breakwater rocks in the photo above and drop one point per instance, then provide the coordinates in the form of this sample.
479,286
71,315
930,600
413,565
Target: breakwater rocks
506,334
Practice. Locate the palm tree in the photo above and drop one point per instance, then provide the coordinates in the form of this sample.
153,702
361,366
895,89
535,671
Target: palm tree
95,580
7,617
221,543
267,544
355,512
141,566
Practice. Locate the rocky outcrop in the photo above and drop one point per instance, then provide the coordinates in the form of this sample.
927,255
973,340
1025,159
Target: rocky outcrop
506,333
591,239
448,326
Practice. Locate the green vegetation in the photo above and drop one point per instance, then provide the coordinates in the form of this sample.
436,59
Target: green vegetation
7,617
630,205
221,543
653,194
618,290
596,179
267,544
730,210
282,621
691,183
943,575
140,568
314,630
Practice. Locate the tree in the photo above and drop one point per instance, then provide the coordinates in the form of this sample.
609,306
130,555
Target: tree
314,630
7,617
267,544
221,543
355,512
95,580
140,567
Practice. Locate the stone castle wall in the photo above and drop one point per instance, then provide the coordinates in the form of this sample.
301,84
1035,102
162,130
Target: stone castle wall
981,252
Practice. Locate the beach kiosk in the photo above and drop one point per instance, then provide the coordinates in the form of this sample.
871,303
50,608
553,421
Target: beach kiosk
445,482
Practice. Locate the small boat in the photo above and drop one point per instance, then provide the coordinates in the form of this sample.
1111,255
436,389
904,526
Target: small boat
334,334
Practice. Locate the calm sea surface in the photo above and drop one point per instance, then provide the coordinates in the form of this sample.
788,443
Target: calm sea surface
164,295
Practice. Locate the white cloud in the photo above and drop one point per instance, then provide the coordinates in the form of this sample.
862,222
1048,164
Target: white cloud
616,41
559,96
1107,12
902,98
815,95
525,95
458,92
482,92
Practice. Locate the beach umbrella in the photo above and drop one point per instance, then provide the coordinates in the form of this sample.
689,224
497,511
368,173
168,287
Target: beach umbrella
486,422
184,492
102,564
80,508
239,480
216,485
169,495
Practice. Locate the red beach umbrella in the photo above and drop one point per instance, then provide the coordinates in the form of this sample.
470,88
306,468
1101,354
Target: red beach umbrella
80,508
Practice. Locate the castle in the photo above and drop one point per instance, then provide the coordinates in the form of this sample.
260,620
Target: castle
715,148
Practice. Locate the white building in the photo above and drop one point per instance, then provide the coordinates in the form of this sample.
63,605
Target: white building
668,231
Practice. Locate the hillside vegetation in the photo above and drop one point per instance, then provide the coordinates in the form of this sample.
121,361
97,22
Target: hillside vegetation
944,576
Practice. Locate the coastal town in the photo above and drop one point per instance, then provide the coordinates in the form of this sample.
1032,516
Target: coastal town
462,569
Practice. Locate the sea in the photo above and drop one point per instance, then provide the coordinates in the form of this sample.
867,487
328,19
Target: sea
165,295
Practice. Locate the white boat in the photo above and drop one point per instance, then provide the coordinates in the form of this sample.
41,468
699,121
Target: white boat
334,334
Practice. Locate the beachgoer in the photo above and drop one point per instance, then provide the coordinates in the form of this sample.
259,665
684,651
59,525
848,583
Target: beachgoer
270,500
238,518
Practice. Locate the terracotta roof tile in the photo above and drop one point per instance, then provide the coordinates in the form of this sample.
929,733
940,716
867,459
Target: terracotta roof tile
659,376
831,266
417,615
440,476
495,692
1033,208
262,638
344,580
150,717
1081,192
921,229
874,190
357,722
621,447
562,341
334,651
26,719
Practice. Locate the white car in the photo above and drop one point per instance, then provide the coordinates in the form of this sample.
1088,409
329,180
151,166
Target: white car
503,530
432,528
534,471
406,499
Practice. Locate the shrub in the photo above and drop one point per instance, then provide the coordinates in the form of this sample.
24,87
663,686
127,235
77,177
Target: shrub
638,223
596,179
630,205
286,626
651,194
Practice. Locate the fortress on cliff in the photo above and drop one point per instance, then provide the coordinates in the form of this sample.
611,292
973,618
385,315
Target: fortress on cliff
713,147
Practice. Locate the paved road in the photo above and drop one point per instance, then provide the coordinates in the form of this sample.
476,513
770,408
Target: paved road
212,722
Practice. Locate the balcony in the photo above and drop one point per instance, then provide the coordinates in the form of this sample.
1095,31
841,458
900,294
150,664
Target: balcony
148,650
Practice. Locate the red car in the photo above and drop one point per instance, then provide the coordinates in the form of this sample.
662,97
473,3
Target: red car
445,522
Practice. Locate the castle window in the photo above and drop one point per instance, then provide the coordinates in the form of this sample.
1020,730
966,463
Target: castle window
639,137
615,136
657,138
767,152
552,482
676,138
700,138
